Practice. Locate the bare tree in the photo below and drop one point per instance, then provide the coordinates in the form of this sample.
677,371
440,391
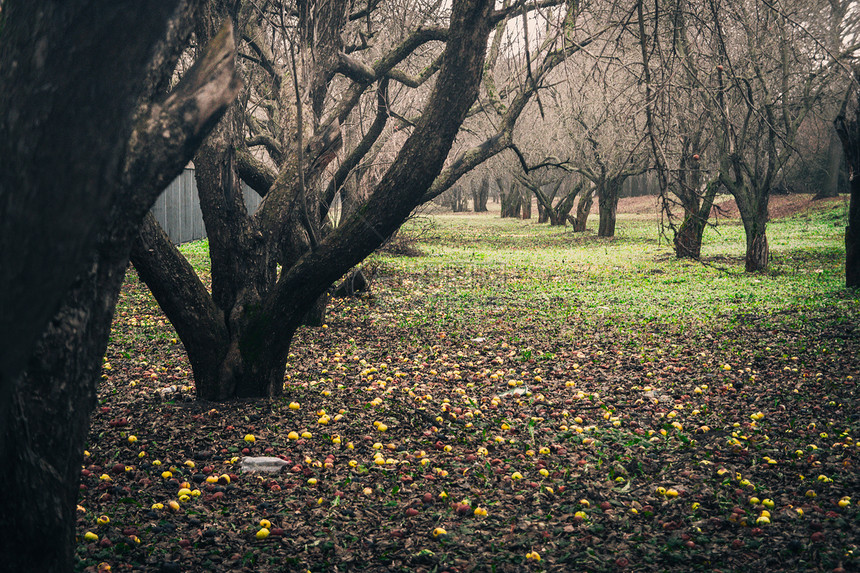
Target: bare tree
270,267
678,119
770,75
317,69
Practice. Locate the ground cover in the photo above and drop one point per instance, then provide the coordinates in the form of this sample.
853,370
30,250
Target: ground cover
519,398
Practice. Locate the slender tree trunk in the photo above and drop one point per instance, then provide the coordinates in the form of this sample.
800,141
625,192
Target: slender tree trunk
583,209
852,237
480,195
561,212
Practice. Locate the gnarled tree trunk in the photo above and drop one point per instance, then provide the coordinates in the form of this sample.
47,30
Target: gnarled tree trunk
480,195
688,239
42,439
583,209
608,206
755,217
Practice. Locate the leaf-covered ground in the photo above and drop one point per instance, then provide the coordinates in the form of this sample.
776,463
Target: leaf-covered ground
474,415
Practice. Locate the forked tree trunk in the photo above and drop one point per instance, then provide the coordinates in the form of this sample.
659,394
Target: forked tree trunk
583,209
543,214
246,327
755,226
561,212
752,203
688,240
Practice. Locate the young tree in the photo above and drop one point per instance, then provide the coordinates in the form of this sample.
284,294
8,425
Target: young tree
678,119
90,136
768,77
596,103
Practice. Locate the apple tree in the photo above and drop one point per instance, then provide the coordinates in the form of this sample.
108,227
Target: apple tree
331,87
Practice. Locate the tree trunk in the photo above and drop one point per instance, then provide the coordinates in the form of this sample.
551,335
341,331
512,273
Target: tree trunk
755,225
852,237
71,75
543,214
250,318
41,470
583,209
688,240
752,204
480,195
42,440
848,129
525,205
561,212
316,314
830,185
758,253
510,200
608,207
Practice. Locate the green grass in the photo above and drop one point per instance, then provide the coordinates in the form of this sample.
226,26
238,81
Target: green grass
481,264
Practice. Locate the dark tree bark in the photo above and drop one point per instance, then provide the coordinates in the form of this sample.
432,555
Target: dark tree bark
145,140
754,215
52,207
688,239
525,205
697,206
457,199
852,237
559,213
511,198
848,127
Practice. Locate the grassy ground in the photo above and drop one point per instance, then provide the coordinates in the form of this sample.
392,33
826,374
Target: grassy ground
519,398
